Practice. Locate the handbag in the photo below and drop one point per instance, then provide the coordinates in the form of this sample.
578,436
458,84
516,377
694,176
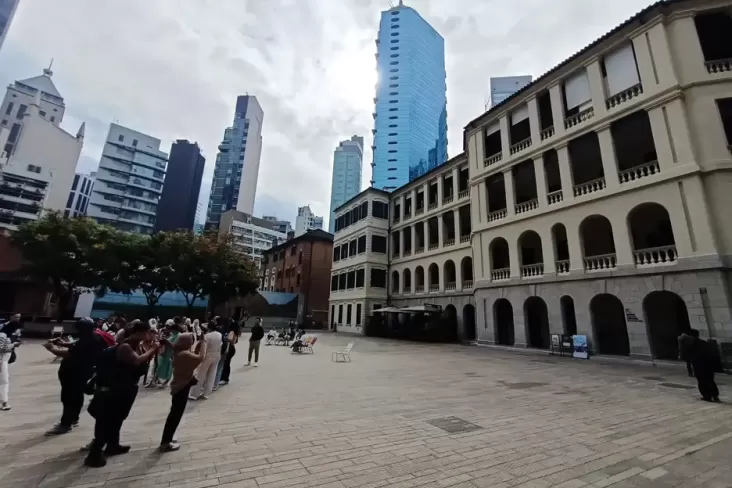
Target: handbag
13,357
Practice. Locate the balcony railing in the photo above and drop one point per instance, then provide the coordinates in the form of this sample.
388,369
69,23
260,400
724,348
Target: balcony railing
447,199
639,172
419,288
432,247
501,274
451,286
524,207
601,263
492,159
408,214
464,239
468,285
624,96
419,250
655,256
449,242
589,187
532,270
562,266
434,288
463,194
578,118
395,219
555,197
719,65
432,206
407,289
520,146
407,252
547,133
419,211
497,215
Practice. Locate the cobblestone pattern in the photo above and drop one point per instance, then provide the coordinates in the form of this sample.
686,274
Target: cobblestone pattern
303,421
630,290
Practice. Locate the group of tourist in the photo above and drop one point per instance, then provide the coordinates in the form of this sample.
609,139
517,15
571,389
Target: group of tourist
110,359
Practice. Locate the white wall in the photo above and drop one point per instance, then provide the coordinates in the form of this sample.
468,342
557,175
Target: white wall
252,155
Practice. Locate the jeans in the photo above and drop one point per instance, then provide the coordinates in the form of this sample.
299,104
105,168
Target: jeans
226,371
219,369
177,408
72,399
4,377
253,348
110,409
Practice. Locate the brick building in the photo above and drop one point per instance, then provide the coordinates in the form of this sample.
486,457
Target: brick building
302,265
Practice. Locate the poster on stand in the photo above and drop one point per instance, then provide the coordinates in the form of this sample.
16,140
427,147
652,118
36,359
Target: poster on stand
580,347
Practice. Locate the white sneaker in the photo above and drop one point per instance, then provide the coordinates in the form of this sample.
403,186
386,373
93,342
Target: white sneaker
203,397
5,407
192,398
223,383
169,447
249,364
256,364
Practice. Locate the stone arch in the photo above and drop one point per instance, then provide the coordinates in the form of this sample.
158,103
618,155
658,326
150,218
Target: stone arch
651,234
500,259
537,323
561,247
395,282
503,320
466,269
469,322
598,244
569,317
666,318
451,320
530,251
450,274
406,280
433,276
609,326
419,278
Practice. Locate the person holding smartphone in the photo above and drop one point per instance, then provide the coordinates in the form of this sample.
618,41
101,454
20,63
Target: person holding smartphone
8,342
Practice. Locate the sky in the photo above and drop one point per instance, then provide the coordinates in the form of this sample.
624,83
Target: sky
173,68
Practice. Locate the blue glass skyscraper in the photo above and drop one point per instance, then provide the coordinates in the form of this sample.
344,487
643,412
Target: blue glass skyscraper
410,121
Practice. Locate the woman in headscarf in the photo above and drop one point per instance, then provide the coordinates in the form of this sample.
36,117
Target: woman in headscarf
8,343
185,363
165,359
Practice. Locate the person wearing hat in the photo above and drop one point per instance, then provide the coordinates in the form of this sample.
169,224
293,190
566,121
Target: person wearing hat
77,367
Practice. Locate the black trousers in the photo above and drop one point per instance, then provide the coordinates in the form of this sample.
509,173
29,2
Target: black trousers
226,370
177,408
72,399
110,409
707,386
689,368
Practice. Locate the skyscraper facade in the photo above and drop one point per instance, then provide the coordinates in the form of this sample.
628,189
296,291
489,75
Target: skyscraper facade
179,200
346,182
503,87
129,181
234,184
306,221
410,121
7,11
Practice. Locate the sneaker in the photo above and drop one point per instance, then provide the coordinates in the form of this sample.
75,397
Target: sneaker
223,382
116,450
58,429
192,398
95,461
203,397
249,364
5,407
256,364
169,447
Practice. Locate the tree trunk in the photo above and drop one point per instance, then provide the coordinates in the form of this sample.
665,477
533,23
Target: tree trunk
62,302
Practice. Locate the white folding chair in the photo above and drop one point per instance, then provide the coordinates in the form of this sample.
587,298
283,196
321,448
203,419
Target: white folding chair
344,353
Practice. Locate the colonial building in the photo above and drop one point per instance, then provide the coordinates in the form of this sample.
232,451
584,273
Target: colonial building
597,197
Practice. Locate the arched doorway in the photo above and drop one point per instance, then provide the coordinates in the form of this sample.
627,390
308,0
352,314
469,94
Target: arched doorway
407,280
569,318
652,235
469,322
666,318
419,279
500,263
608,323
537,323
598,246
466,268
395,282
503,320
450,276
450,322
433,274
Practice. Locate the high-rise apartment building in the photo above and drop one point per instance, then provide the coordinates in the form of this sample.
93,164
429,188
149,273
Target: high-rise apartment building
179,200
283,226
129,181
7,11
79,196
346,182
234,184
503,87
251,236
410,121
306,221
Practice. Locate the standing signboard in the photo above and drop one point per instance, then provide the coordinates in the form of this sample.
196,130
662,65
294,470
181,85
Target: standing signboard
580,349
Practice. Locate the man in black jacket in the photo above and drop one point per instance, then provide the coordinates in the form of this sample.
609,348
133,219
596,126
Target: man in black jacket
254,340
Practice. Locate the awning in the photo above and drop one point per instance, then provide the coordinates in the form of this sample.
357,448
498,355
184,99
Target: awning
426,308
387,310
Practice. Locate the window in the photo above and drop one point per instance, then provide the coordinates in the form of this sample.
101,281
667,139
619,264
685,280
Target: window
393,117
393,142
70,200
134,142
394,41
394,78
725,112
293,250
297,281
394,48
41,113
394,70
360,277
344,251
393,125
393,93
21,111
393,110
380,210
394,34
75,183
352,247
121,138
351,280
393,134
348,314
336,254
9,109
334,283
299,258
378,278
378,244
340,314
394,55
358,314
53,118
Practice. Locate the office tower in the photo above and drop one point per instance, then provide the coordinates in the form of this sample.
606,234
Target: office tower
503,87
410,121
21,95
306,221
346,182
283,226
179,200
251,236
234,184
129,181
78,199
7,11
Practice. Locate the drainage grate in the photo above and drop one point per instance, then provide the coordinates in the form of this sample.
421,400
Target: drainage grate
678,385
454,425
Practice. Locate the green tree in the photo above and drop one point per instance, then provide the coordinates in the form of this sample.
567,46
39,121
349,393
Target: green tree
60,252
234,274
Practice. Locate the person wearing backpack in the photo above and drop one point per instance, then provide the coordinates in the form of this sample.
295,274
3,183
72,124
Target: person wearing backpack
77,367
119,370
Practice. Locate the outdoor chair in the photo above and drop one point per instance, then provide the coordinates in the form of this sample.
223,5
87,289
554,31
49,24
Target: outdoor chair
344,353
308,345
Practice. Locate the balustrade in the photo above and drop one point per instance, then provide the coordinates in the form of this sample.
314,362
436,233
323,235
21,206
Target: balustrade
578,118
589,187
527,206
602,262
655,256
501,274
639,172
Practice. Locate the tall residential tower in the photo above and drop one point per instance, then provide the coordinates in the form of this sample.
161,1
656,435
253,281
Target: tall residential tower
234,184
410,121
346,183
179,201
7,11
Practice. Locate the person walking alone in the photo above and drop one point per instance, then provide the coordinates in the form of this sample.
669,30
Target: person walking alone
685,343
232,339
255,340
77,368
185,363
8,344
704,362
206,373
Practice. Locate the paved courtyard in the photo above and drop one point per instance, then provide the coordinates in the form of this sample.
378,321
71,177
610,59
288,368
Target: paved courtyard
400,415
